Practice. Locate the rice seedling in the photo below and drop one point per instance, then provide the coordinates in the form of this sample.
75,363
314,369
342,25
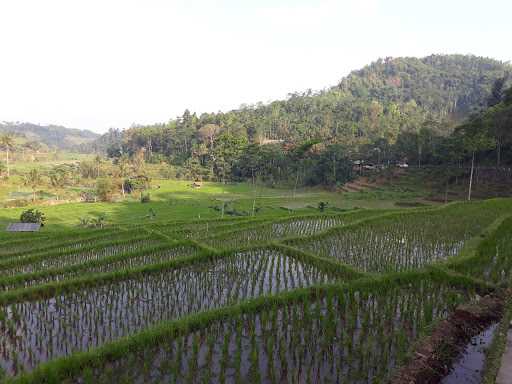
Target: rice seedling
44,328
402,241
492,260
237,300
354,333
301,226
20,247
82,253
117,262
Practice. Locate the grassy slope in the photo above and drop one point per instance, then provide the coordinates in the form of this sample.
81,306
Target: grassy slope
21,167
176,200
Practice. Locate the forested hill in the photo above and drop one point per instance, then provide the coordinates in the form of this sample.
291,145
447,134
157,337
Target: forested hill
53,136
393,110
444,85
383,99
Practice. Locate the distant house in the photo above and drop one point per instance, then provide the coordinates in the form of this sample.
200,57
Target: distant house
23,227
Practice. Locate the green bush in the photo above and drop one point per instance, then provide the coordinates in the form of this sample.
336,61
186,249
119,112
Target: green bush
92,222
322,205
104,189
32,216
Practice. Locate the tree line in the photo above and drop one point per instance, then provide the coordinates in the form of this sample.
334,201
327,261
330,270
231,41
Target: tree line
394,110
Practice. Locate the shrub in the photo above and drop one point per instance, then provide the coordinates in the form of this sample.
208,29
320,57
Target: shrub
104,189
322,205
145,198
83,222
92,222
32,216
88,197
98,222
168,172
128,186
151,214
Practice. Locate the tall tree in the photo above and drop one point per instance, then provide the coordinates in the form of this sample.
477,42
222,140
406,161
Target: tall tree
475,138
332,166
226,153
123,166
299,156
98,161
7,143
139,164
499,122
33,179
497,91
208,133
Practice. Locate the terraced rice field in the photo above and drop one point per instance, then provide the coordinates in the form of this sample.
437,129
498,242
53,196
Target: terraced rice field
319,298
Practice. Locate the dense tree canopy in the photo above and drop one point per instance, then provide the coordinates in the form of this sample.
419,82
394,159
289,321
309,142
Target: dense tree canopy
394,109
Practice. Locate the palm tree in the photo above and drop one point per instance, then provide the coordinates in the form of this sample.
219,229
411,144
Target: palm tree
97,161
476,139
7,142
124,165
33,179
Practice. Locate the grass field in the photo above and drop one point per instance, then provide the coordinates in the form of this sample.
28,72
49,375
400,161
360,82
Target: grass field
9,188
177,200
290,294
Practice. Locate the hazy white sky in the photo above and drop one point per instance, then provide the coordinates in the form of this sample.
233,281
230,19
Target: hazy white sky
95,64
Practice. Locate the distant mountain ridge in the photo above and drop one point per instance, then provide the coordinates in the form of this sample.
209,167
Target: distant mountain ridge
53,136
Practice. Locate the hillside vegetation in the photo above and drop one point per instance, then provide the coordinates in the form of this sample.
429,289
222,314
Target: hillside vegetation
381,100
447,113
393,110
52,136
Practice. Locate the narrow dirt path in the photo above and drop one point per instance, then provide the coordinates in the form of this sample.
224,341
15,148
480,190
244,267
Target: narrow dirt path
505,372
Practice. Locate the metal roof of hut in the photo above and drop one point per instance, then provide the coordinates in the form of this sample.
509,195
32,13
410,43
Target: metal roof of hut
23,227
